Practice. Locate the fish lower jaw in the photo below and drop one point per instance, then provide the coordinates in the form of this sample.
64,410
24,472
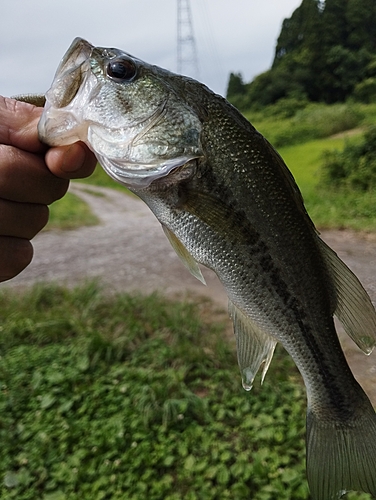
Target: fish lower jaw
60,130
138,175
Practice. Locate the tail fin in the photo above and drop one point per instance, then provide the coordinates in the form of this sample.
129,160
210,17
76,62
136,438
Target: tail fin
341,458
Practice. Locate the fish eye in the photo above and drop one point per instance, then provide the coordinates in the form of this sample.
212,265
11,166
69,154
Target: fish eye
121,69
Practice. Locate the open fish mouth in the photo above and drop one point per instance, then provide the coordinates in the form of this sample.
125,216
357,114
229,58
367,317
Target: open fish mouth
130,124
62,121
70,72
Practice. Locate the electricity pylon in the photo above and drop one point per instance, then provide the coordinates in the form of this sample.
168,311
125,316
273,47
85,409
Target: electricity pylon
187,62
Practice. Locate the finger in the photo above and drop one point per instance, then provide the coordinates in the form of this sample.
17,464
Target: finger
15,255
24,177
22,220
71,162
18,125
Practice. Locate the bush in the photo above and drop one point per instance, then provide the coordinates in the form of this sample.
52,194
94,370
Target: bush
365,91
293,121
330,120
354,167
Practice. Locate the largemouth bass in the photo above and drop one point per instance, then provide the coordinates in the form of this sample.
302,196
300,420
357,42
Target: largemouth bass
226,200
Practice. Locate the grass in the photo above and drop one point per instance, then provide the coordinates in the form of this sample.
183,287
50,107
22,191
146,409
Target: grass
314,121
127,397
70,213
302,139
304,160
329,208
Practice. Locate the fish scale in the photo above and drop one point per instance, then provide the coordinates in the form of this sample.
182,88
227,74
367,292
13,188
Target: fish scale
226,200
249,278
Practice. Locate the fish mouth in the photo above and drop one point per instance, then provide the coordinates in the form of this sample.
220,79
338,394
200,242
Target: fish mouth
141,175
69,75
124,150
62,122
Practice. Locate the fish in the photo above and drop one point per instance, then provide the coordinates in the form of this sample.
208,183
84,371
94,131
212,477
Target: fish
227,201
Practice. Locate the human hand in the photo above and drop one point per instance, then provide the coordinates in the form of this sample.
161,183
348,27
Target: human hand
31,177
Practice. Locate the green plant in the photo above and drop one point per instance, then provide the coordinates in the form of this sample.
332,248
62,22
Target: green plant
128,397
70,213
308,122
354,167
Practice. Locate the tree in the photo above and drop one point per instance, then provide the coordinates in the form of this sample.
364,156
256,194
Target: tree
361,20
299,30
324,51
236,85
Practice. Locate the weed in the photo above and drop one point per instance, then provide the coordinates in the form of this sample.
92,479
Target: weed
354,167
128,397
314,121
70,213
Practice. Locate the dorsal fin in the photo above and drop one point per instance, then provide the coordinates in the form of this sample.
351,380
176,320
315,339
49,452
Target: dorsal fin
35,99
184,255
354,307
254,347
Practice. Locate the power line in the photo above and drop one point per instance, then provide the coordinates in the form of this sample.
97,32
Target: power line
187,60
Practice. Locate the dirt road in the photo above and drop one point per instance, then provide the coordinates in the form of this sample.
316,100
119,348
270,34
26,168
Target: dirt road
129,252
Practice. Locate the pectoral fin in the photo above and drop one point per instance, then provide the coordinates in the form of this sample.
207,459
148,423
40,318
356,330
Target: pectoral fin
254,346
354,307
184,255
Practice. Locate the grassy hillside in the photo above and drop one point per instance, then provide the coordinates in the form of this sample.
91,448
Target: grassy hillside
329,208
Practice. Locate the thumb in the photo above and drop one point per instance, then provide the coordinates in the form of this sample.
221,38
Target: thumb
75,161
18,125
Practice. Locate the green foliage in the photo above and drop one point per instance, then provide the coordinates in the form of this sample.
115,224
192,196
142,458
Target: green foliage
70,213
235,85
353,168
327,206
365,91
292,121
126,397
324,51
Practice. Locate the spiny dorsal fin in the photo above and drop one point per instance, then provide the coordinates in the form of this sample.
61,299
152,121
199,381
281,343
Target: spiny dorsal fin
354,307
35,99
254,347
184,255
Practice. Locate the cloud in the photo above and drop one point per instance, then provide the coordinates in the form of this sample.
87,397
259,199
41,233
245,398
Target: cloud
35,34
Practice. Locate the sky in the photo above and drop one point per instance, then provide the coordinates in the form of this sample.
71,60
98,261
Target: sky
238,36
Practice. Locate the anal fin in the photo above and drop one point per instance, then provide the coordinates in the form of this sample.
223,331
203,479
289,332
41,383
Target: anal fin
254,347
187,259
354,307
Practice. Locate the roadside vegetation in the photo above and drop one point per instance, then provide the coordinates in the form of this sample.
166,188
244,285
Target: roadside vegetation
128,397
70,213
311,136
